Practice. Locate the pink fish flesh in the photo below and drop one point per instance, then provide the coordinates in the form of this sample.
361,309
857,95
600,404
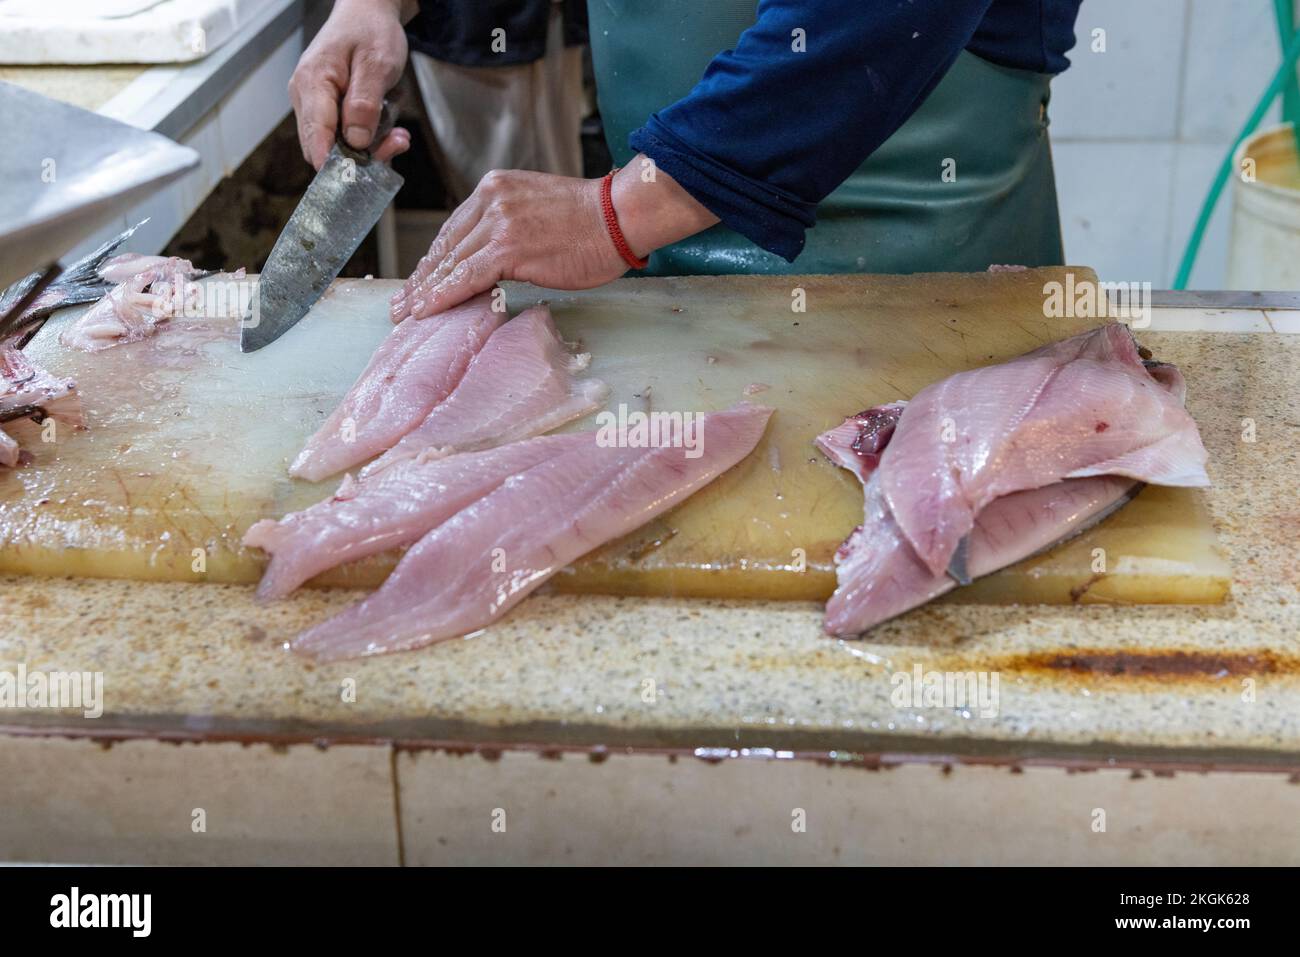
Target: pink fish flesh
127,266
388,510
472,569
1079,407
27,391
416,367
522,384
129,313
10,453
880,570
881,576
25,387
79,282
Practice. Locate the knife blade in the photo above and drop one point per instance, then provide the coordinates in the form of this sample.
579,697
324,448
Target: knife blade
340,207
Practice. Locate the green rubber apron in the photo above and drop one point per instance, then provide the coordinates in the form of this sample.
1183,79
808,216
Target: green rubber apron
965,183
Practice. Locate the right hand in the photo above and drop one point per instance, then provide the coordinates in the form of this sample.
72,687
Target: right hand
357,57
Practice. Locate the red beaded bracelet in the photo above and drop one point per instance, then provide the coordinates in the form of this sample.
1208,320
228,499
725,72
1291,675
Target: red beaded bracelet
611,223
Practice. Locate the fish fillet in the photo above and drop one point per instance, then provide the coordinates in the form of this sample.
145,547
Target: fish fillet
522,384
388,510
1079,407
475,567
416,367
880,575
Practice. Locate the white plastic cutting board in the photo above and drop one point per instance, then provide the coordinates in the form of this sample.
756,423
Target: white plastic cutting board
118,31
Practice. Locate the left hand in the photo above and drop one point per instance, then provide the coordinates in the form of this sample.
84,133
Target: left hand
535,227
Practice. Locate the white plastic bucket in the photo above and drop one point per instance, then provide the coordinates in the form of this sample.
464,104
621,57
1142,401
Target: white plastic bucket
1265,248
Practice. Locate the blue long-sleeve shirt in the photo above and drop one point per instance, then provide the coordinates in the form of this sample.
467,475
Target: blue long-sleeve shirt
769,132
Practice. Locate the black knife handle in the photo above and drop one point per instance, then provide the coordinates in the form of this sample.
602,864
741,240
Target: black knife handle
387,119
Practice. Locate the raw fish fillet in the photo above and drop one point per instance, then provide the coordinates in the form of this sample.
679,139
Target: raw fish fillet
1079,407
388,510
879,573
413,370
475,567
522,384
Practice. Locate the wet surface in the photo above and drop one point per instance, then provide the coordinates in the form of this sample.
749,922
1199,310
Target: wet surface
1195,686
189,439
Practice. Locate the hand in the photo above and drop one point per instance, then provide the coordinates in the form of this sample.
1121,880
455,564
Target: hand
357,57
535,227
546,230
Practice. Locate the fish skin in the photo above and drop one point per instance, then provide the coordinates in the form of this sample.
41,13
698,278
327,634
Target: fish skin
79,283
388,510
415,368
452,582
880,576
521,384
1079,407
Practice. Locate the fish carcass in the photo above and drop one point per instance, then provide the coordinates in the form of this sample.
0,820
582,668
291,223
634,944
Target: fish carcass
473,568
146,291
29,392
523,383
416,367
990,466
81,282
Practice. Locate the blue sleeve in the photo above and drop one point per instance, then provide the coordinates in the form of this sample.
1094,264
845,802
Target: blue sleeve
770,131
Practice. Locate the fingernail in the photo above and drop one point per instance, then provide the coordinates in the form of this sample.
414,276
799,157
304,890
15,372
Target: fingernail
358,137
418,305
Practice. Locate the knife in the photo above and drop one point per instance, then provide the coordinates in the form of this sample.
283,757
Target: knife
340,207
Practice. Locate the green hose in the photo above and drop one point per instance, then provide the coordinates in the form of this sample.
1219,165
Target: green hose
1290,91
1284,72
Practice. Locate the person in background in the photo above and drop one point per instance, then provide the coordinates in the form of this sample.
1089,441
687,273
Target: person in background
912,135
501,82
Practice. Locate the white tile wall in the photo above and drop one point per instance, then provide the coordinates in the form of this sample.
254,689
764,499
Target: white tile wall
1139,130
1194,167
1131,89
1232,51
1115,201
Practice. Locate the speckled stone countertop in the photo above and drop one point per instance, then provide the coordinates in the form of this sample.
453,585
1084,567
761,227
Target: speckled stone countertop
1202,685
